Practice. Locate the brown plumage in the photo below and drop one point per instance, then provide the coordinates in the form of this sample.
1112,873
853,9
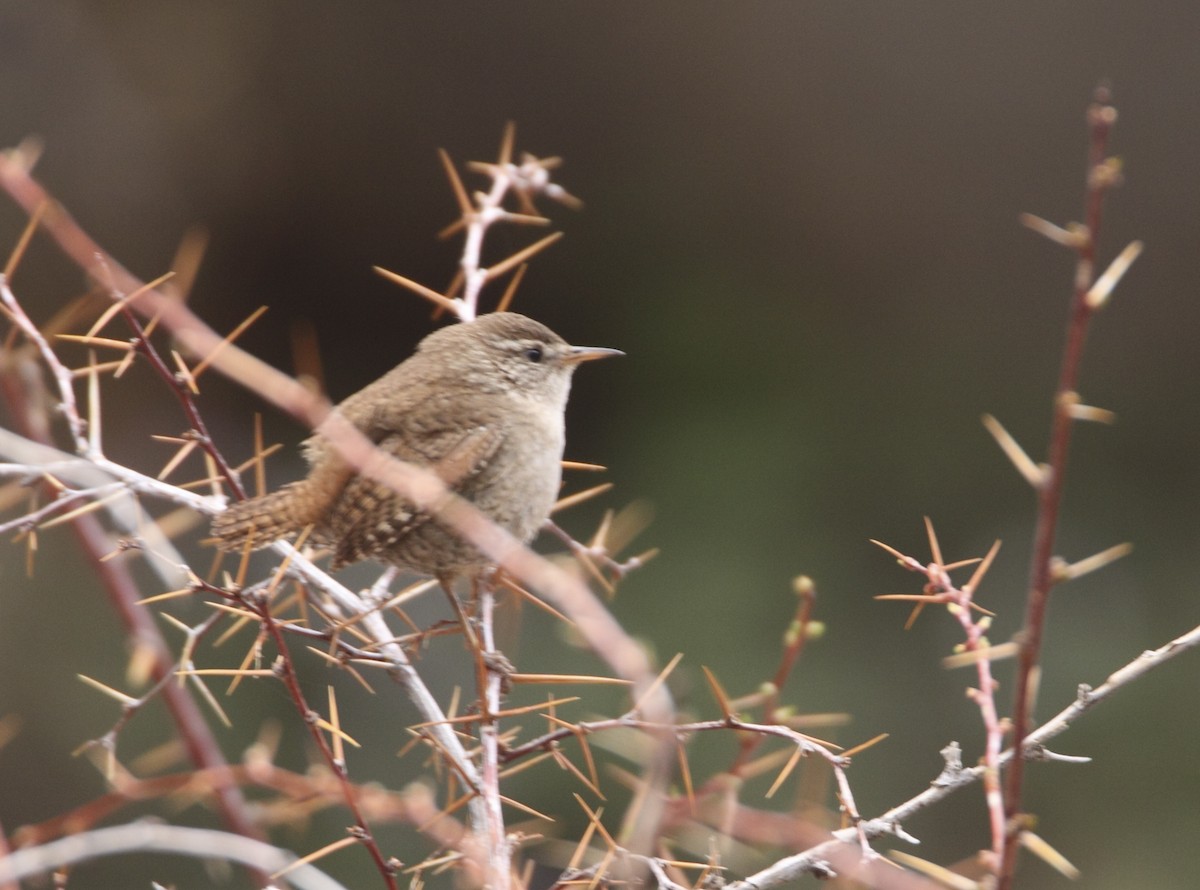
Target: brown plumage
480,403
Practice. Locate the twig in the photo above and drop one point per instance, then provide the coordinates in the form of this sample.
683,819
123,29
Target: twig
499,850
202,747
1102,174
200,843
954,776
526,181
286,670
420,487
960,602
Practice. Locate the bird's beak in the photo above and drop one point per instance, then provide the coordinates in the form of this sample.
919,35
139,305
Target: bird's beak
588,353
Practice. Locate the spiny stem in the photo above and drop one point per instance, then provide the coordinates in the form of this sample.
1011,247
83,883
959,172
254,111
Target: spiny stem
1101,117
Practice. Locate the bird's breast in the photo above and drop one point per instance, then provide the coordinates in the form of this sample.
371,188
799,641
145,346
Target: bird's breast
524,479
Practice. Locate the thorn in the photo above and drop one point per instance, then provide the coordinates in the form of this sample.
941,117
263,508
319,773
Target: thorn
556,192
584,679
25,156
1077,411
934,548
260,454
520,256
511,290
123,345
525,219
185,374
594,817
587,494
126,300
1041,752
581,465
783,773
718,692
18,252
1074,236
1056,860
306,354
658,681
93,389
89,507
1034,474
460,193
187,259
904,560
420,290
987,653
870,743
685,773
101,368
229,338
914,615
457,226
506,143
177,459
1099,292
339,753
943,876
976,578
126,700
314,856
1094,562
600,538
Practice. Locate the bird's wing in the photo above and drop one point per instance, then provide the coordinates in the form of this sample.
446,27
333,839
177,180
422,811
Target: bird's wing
369,517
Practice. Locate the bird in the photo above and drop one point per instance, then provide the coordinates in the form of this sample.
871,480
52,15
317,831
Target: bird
481,403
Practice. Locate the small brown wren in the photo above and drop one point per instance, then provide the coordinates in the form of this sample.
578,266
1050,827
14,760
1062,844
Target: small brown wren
481,403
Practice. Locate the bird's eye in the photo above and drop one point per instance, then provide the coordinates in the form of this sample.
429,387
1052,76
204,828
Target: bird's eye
534,353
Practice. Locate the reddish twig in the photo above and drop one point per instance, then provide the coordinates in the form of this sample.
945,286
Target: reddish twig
796,638
1101,176
421,487
183,395
193,730
794,641
286,671
960,602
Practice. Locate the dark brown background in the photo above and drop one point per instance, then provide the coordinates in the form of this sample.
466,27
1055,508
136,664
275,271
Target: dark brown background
800,226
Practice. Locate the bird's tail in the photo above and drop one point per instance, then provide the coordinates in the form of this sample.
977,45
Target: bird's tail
258,521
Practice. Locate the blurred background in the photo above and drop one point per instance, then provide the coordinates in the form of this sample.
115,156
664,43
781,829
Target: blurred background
801,226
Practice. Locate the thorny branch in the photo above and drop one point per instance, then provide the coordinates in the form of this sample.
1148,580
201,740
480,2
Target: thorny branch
356,630
202,747
421,487
93,450
1090,294
976,650
199,843
955,776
